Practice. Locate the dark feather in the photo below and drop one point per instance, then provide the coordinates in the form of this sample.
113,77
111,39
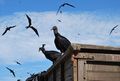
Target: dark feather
59,20
12,26
58,9
61,42
4,32
69,5
11,71
51,55
8,28
29,26
113,29
62,5
18,62
35,30
29,20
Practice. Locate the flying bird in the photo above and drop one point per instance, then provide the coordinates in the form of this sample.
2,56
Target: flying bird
61,42
11,71
18,63
59,20
8,28
113,29
51,55
62,5
29,26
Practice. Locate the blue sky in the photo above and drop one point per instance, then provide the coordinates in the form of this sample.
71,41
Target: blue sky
93,19
11,6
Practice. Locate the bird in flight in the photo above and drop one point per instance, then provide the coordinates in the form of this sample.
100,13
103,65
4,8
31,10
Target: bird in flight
113,29
29,26
59,20
62,5
11,71
18,62
8,28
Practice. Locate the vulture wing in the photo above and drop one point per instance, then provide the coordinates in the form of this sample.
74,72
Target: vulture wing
62,43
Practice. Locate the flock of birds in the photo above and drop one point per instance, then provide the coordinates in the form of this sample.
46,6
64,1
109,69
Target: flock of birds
61,42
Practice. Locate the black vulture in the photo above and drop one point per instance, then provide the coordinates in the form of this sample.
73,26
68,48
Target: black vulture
62,5
51,55
113,29
11,71
29,26
61,42
8,28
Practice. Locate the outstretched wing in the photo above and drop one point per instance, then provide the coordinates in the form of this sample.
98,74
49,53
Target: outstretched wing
29,20
113,29
59,9
69,5
4,32
62,5
11,71
35,30
12,26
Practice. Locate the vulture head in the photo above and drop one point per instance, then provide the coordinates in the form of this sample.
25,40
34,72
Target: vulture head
55,29
42,48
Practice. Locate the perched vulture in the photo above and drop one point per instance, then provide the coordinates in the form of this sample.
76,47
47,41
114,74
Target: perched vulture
61,42
51,55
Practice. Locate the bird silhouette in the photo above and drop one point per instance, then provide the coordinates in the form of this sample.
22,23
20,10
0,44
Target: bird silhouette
18,63
59,20
8,28
11,71
61,42
113,29
51,55
62,5
29,26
